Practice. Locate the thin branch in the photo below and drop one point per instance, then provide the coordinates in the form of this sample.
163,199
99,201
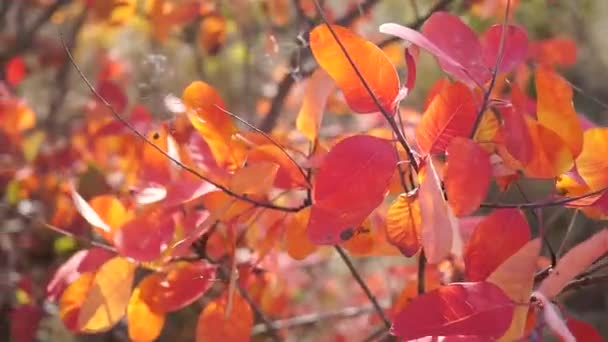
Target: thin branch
486,95
372,298
571,225
584,281
183,166
315,318
270,327
545,204
421,272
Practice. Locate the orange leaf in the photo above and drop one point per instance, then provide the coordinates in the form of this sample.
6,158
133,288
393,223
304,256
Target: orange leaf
318,89
288,176
403,224
254,179
373,65
97,301
482,254
438,222
204,107
550,154
215,323
144,323
297,243
212,33
515,277
555,109
351,182
592,163
451,114
467,175
112,212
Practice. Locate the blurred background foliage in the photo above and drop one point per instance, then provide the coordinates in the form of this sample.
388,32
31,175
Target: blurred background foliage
246,49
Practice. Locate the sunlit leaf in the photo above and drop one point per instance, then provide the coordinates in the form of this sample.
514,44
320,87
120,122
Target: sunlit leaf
516,134
451,114
591,163
515,276
479,309
317,91
97,301
297,242
89,214
574,262
467,175
555,109
351,182
373,65
550,154
482,254
145,237
143,322
403,224
112,212
288,176
215,323
254,179
438,222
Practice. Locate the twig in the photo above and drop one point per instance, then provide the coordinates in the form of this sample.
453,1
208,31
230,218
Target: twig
183,166
560,250
363,286
545,204
314,318
267,323
486,95
63,75
584,281
421,272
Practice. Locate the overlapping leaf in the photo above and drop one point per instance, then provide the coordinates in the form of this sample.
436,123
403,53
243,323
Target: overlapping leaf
403,224
351,182
218,322
373,65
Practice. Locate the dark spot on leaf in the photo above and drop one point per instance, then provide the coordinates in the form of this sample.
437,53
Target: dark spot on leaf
346,234
155,135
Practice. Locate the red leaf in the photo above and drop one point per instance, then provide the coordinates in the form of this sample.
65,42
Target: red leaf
183,283
495,239
373,65
516,134
14,70
467,175
480,309
583,331
112,93
515,48
451,114
350,184
145,237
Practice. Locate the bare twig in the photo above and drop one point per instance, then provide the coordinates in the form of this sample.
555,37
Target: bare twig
314,318
183,166
372,298
270,327
543,204
560,250
584,281
421,272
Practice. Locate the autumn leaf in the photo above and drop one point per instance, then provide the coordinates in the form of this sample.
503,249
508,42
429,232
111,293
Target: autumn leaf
451,114
146,236
479,309
403,224
111,212
516,134
318,89
143,322
583,331
215,323
373,65
550,153
514,51
439,231
351,182
482,255
467,175
591,164
555,109
288,176
297,243
515,276
97,301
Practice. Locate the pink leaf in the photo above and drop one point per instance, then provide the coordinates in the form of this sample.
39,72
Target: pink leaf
145,237
574,262
553,318
515,48
479,309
